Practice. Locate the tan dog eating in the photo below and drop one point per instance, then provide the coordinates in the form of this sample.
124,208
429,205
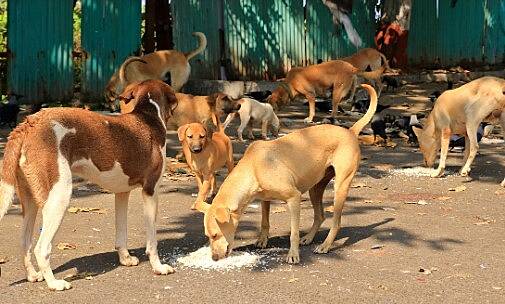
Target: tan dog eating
460,111
205,152
284,169
314,80
119,153
155,65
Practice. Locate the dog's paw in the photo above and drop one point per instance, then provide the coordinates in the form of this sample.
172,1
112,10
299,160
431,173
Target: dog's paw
306,240
464,171
503,183
35,276
164,269
293,257
129,261
262,241
308,120
438,173
59,285
321,249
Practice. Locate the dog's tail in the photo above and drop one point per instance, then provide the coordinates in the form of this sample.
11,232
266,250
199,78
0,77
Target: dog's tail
375,74
122,68
10,167
360,124
202,44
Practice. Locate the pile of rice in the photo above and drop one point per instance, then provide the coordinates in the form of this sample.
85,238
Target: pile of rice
415,171
201,259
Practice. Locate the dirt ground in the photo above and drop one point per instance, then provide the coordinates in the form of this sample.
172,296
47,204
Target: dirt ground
403,239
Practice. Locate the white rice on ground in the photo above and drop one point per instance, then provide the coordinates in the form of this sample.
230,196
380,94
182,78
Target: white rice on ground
415,171
201,259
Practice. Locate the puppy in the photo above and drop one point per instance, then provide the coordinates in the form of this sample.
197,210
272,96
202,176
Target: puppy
205,153
284,169
156,65
460,111
391,82
251,110
338,75
378,127
119,153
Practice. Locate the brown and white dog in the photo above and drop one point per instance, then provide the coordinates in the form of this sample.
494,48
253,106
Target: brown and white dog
155,65
284,169
314,80
368,59
119,153
460,111
205,152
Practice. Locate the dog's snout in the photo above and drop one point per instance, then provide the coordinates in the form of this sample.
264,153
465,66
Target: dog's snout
196,149
215,257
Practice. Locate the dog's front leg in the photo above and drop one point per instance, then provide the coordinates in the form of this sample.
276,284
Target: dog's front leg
312,108
471,131
229,118
203,191
445,138
265,225
294,210
264,129
150,212
121,206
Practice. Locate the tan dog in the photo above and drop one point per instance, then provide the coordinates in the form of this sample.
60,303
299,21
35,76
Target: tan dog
155,65
250,111
371,59
315,80
460,111
205,152
119,153
191,108
284,169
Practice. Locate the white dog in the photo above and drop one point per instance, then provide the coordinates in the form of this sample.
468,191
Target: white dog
251,110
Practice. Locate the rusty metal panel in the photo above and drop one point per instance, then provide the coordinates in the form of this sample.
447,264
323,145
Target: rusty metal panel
264,39
40,44
198,16
327,41
110,33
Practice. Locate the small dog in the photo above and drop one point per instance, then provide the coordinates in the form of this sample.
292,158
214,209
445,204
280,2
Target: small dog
378,127
251,110
284,169
310,81
460,111
391,82
156,65
205,152
119,153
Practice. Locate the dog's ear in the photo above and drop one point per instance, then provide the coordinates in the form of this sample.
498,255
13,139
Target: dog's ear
418,131
202,207
209,126
222,214
170,97
181,132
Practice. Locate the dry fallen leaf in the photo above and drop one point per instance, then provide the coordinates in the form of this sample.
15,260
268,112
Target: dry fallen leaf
359,185
443,198
66,246
377,246
383,167
500,192
293,280
85,209
458,188
391,144
421,202
3,260
329,209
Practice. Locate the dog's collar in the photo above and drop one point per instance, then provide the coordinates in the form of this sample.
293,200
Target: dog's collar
286,87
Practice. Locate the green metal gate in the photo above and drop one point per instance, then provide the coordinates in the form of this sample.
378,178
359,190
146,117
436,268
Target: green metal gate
40,45
110,33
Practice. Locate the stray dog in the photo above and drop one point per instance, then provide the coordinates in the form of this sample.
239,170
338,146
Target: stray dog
338,75
284,169
155,65
205,152
460,111
251,110
192,108
366,60
391,82
119,153
378,127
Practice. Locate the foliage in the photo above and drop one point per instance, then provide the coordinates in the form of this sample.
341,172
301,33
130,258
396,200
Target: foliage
3,26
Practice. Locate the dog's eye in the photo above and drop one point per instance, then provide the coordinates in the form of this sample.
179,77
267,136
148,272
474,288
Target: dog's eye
190,136
202,136
213,236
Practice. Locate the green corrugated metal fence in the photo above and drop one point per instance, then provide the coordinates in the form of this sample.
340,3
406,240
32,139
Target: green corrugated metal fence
110,33
198,16
40,42
473,30
326,41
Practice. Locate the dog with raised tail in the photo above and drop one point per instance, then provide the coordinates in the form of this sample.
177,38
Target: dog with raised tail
118,153
284,169
168,65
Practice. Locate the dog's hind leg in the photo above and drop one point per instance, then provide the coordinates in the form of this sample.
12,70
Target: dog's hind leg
264,129
471,131
150,213
228,120
265,225
445,138
316,198
121,206
343,178
52,215
244,121
293,256
30,214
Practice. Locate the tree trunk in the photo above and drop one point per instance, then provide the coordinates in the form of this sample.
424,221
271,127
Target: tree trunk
148,42
164,39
